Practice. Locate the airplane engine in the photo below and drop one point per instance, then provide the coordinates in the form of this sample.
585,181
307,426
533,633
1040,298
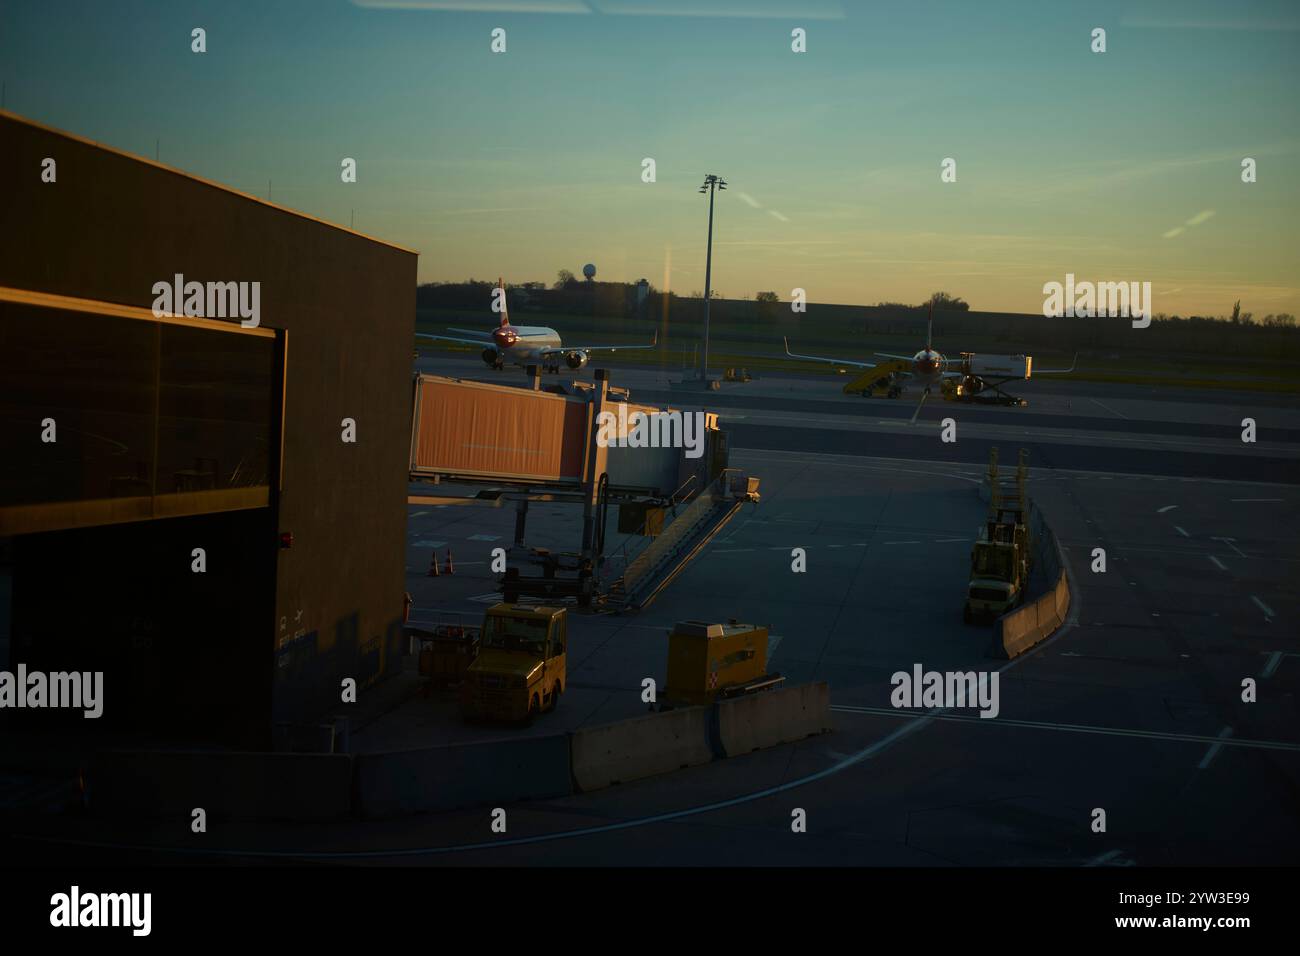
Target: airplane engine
575,359
490,356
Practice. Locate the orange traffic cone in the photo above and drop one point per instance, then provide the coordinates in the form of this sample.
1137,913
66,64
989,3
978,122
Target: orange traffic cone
433,564
451,568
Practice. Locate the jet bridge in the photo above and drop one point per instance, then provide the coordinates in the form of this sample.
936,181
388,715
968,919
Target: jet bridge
589,445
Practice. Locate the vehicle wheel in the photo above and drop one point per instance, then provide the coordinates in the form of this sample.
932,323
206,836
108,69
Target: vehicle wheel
555,697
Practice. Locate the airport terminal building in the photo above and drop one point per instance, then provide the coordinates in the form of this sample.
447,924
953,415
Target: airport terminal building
208,506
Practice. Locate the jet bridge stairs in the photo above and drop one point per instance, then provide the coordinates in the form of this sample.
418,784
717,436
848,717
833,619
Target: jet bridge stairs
646,576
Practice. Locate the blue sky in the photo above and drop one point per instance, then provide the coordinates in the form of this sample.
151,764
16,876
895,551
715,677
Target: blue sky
1116,166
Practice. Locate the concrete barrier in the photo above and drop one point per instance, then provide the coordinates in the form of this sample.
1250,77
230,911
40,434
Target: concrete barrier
493,773
641,747
228,786
1063,597
773,717
1033,623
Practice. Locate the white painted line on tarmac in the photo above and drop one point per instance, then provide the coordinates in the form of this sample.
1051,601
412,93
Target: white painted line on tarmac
1181,531
417,514
1229,543
855,462
1108,408
1262,606
1274,660
1073,728
1161,511
948,540
1256,499
1104,858
1217,563
902,542
1213,752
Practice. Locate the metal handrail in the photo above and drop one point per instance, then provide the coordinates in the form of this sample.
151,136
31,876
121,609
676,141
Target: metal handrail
672,499
672,503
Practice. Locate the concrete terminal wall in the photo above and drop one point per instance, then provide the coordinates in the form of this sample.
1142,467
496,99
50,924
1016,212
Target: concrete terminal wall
112,225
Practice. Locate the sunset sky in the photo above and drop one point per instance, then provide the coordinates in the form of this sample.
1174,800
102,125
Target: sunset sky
1122,166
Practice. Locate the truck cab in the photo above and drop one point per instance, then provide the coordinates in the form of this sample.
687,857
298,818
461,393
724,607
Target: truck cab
520,670
998,571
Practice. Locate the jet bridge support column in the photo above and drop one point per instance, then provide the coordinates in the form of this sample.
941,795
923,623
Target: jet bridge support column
595,465
521,521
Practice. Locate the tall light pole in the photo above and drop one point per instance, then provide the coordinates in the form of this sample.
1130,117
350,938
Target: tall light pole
711,185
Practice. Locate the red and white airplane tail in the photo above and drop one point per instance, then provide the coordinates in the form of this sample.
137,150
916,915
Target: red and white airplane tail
505,314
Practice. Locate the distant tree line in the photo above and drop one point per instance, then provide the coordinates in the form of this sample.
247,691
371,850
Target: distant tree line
578,306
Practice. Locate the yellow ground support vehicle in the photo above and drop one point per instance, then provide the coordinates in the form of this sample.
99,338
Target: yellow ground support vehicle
711,661
446,651
1000,558
886,379
520,668
999,567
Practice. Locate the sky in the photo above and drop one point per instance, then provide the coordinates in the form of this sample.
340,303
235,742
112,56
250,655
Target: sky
1115,166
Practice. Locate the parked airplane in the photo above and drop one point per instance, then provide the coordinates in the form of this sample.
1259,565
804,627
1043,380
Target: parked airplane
526,345
929,367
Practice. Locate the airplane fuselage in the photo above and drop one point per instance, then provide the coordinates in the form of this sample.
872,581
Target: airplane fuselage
523,344
928,367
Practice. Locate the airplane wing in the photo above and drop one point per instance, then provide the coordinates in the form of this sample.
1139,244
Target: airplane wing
452,338
1057,371
485,335
900,358
822,358
600,348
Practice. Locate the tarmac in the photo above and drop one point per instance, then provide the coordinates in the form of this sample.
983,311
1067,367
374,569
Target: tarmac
1134,708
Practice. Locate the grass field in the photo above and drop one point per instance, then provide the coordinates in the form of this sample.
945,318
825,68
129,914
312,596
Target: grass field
757,354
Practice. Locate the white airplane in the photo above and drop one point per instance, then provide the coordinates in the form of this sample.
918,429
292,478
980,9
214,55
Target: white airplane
525,345
929,367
